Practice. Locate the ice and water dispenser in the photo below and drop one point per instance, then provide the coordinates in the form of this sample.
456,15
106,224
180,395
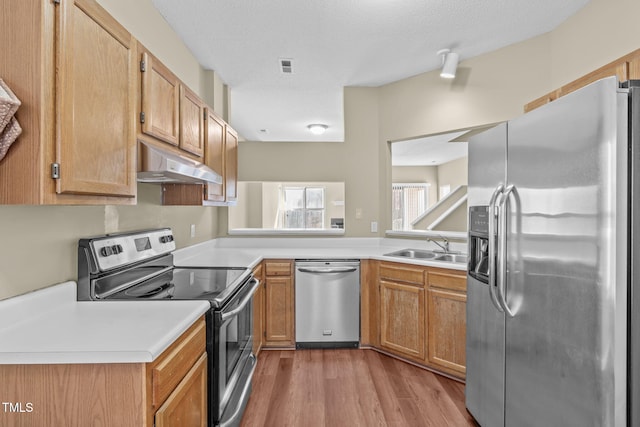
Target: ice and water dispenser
479,243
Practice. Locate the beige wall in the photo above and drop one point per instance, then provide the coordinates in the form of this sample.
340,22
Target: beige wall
354,161
39,243
453,173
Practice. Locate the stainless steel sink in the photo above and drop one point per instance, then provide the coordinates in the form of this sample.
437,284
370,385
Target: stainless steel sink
425,254
413,253
451,258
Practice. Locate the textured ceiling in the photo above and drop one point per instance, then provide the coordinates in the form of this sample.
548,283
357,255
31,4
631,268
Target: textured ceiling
337,43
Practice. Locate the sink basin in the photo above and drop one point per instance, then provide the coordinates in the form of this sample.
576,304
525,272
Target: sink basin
413,253
425,254
451,258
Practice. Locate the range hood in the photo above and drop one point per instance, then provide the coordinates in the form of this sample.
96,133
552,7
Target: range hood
164,167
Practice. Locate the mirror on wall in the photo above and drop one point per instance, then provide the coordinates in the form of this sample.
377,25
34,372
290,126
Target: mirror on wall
429,184
288,207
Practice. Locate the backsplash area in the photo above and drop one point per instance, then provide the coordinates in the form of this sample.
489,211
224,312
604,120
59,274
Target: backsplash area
39,243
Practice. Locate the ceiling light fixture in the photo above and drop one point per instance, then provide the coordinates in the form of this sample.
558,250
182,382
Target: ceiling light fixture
317,128
449,63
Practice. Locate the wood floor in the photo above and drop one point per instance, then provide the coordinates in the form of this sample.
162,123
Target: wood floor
350,388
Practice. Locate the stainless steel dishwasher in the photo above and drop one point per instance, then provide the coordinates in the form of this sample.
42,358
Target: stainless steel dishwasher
327,303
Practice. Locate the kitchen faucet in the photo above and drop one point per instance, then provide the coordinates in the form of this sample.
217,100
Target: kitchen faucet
444,246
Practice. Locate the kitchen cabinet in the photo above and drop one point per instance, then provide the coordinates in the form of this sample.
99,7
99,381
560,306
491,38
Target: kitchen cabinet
172,390
192,119
403,310
160,98
231,166
447,302
279,310
258,311
76,79
221,155
170,112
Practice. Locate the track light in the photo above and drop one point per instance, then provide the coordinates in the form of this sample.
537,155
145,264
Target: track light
449,63
317,129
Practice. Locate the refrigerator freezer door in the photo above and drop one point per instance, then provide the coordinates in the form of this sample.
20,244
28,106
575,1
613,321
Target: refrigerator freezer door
485,356
564,365
485,325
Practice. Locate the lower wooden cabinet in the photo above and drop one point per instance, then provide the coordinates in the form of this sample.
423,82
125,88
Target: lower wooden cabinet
418,314
447,320
279,308
403,310
170,391
186,406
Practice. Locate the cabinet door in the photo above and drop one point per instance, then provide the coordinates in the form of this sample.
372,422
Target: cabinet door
215,154
191,122
402,317
95,144
447,326
279,311
187,405
160,101
231,166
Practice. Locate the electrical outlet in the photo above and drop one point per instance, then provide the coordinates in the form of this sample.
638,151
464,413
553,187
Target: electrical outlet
374,227
193,230
358,213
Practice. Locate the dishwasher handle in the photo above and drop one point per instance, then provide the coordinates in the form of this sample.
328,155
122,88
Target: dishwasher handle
325,270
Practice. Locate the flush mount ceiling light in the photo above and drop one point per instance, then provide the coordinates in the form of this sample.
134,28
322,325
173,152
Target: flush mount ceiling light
317,128
449,63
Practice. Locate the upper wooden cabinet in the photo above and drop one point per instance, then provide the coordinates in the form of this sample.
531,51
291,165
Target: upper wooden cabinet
215,154
625,68
160,97
170,112
231,168
73,67
192,117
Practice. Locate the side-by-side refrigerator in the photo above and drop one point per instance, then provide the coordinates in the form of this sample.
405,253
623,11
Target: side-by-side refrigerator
551,308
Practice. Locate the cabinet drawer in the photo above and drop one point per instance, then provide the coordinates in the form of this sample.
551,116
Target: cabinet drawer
176,361
446,280
278,268
402,273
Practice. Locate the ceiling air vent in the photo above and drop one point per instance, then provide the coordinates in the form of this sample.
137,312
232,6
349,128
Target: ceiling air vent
286,66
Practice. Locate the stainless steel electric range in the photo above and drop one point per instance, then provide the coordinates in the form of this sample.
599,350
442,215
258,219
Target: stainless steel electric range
139,266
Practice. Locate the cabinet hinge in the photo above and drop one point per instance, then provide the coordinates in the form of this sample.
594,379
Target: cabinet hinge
55,170
143,66
142,117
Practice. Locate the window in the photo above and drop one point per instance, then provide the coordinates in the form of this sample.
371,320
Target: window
408,202
303,207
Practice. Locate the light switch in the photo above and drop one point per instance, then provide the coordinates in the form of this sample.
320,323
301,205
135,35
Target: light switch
374,227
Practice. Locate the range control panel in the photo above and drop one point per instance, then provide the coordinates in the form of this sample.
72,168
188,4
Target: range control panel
114,251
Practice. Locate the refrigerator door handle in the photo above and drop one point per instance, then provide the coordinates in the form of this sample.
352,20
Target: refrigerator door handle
502,250
492,246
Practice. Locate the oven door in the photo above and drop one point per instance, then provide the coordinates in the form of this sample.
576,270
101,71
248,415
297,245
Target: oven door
233,362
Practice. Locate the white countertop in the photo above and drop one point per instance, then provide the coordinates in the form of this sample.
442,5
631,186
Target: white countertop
50,326
248,252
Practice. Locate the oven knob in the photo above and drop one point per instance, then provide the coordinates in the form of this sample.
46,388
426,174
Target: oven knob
116,249
106,251
166,239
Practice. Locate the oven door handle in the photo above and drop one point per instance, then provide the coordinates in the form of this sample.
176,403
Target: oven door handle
243,303
234,418
323,270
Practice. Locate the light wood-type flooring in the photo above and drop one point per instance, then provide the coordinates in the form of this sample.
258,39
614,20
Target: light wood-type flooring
349,387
